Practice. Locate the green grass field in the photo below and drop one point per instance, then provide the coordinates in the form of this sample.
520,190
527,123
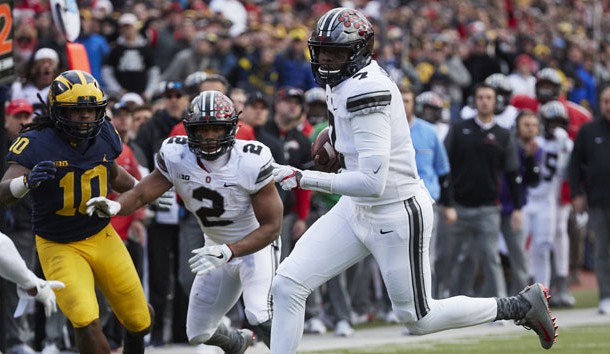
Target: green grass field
571,340
589,340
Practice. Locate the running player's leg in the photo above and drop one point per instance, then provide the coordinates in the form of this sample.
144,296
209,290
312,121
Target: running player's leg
212,296
256,274
70,264
328,247
403,259
117,278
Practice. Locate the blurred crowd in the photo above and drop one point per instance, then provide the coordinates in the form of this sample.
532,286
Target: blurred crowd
152,57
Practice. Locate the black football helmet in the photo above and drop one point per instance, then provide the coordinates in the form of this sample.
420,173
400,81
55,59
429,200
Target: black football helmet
429,106
504,91
210,108
76,89
552,90
341,28
553,114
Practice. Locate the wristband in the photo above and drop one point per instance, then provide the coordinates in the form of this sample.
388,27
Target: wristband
317,181
18,187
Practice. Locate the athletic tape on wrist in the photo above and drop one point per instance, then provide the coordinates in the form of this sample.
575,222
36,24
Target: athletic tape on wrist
317,181
18,187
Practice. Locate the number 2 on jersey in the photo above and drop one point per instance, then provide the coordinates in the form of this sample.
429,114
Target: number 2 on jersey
216,210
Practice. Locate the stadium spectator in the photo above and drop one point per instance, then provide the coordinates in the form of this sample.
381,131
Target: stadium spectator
588,175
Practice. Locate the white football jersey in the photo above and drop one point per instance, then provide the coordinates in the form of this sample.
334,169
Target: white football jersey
219,199
372,90
553,166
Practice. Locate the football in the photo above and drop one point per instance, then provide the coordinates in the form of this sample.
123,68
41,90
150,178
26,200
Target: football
322,149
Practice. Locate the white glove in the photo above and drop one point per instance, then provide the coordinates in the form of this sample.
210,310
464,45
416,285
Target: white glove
165,201
103,207
44,294
560,134
582,219
208,258
288,177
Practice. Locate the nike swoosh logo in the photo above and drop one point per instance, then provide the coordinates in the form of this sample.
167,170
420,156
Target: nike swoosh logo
229,184
377,170
220,256
547,336
384,232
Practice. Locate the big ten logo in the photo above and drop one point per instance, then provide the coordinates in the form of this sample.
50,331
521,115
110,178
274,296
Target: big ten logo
60,163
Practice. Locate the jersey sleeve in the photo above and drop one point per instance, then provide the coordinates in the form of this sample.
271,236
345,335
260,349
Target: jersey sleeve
23,151
256,165
113,138
170,153
368,94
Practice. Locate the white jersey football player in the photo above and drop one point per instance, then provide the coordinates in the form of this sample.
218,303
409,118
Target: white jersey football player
385,209
543,214
505,114
13,268
227,184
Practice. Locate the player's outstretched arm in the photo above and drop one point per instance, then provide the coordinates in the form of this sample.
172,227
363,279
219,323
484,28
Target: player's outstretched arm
120,180
13,268
149,189
268,209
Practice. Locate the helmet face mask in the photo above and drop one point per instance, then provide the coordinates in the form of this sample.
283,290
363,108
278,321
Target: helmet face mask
548,85
429,106
553,115
71,94
340,33
209,112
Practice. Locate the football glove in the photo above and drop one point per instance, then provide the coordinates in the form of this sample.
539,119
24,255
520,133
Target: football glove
208,258
288,177
43,171
44,294
103,207
165,201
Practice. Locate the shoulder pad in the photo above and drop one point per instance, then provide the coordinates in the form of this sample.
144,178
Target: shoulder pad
172,150
255,162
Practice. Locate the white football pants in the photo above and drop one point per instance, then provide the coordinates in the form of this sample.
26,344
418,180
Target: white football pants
398,236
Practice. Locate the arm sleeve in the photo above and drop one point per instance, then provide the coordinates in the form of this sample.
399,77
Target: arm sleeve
531,171
575,167
112,84
373,146
513,179
446,197
12,266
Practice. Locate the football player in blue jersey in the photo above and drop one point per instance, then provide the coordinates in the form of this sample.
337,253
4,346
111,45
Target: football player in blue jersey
63,158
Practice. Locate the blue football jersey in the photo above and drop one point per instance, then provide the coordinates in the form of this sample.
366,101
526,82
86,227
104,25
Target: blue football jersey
59,210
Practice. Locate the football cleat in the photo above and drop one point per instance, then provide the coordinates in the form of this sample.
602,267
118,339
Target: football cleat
539,317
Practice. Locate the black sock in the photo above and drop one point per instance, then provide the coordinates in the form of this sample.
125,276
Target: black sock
133,344
512,308
228,339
